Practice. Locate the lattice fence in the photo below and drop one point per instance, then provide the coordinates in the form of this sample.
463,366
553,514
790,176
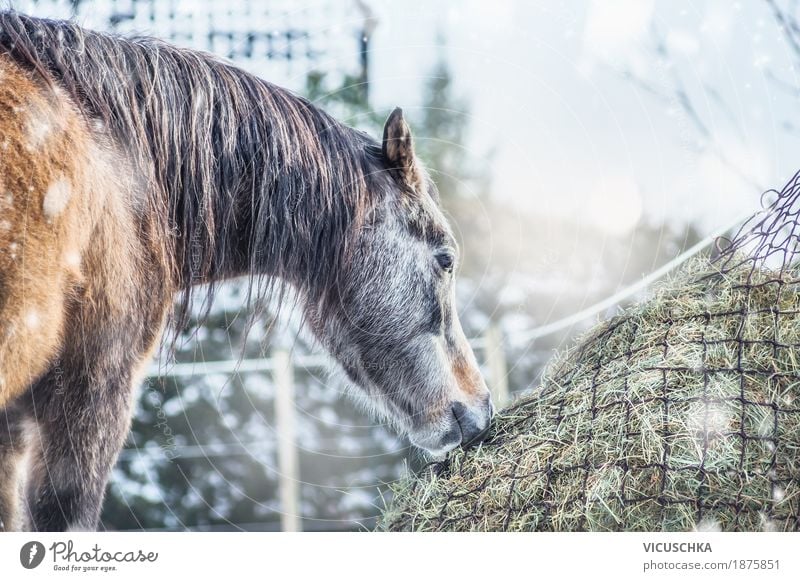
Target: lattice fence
280,40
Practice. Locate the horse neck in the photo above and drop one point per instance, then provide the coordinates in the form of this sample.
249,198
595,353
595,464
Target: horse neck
292,221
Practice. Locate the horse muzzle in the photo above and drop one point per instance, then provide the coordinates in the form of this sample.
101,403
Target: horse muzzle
465,425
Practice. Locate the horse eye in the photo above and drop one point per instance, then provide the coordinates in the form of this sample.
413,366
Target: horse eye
446,260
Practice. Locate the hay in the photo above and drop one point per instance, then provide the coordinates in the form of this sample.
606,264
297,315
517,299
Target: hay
681,414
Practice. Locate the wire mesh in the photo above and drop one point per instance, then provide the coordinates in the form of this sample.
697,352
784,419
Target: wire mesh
768,239
682,413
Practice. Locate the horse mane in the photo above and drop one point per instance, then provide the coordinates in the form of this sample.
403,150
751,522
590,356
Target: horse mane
245,177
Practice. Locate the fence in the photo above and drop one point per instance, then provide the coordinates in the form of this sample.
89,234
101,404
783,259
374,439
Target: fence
281,40
282,365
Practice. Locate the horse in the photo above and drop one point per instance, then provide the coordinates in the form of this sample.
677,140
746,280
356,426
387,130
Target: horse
133,172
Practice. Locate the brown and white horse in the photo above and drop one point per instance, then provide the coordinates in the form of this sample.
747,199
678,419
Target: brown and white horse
132,171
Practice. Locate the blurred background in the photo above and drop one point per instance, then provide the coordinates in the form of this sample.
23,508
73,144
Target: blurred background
579,146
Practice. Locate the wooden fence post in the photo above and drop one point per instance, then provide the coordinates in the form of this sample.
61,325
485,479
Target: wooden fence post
288,464
496,362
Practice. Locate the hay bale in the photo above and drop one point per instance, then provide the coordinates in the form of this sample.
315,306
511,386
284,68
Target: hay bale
683,413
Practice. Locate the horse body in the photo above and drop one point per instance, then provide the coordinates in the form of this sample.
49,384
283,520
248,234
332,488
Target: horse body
131,170
82,304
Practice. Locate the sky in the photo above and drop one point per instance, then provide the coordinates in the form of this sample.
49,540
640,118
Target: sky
567,135
571,136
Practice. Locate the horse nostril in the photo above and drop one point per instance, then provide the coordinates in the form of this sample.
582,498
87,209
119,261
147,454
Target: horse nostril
459,410
473,428
477,438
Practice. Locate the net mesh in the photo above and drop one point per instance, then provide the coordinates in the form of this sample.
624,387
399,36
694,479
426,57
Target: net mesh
769,239
682,413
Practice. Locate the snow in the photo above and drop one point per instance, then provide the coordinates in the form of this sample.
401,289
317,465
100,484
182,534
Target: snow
32,319
56,198
708,526
38,128
712,420
72,259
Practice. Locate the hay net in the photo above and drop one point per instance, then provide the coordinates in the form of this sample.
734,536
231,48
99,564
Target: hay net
682,413
769,239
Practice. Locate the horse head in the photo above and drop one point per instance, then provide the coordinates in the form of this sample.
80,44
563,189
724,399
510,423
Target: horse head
392,322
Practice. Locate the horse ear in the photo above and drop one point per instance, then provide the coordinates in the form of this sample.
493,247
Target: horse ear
398,148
